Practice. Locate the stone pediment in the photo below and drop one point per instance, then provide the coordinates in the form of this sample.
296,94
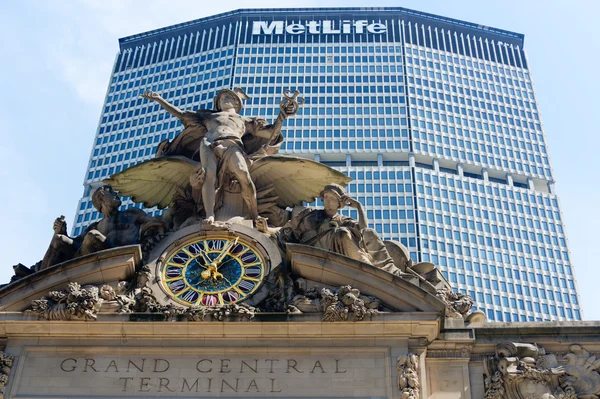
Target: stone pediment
105,267
323,269
336,270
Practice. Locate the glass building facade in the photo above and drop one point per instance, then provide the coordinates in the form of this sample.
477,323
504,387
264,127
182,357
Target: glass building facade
435,119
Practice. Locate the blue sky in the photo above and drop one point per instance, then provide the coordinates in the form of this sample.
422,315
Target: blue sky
57,58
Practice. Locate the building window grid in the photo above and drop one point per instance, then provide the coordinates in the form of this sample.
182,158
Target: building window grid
147,149
542,156
311,145
553,276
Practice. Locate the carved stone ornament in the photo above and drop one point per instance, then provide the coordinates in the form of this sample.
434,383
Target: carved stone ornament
74,302
408,377
582,372
6,363
342,305
240,312
457,305
136,296
521,370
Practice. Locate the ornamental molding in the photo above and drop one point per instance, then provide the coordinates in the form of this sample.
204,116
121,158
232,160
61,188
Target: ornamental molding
407,367
73,303
524,370
458,306
342,304
461,353
237,312
6,363
481,357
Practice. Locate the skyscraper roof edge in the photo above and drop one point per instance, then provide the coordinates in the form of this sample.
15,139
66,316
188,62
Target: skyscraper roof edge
133,40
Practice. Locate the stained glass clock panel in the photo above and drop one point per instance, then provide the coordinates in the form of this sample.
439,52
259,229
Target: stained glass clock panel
213,271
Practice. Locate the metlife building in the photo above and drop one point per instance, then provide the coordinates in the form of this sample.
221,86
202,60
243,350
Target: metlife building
435,119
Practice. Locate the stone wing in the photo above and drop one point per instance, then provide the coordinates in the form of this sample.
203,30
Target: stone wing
294,180
186,143
155,181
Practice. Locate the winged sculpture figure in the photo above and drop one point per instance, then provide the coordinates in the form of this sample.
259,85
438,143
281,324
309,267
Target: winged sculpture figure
281,182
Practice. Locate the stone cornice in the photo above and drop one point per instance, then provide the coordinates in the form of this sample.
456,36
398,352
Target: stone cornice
569,331
459,353
334,269
14,326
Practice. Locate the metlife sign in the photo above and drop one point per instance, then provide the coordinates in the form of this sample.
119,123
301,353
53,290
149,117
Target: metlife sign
325,27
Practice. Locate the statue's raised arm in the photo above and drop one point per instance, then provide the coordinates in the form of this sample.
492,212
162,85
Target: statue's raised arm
327,229
186,143
289,106
170,108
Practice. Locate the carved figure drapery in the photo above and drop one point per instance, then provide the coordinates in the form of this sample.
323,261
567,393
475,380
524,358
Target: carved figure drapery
115,229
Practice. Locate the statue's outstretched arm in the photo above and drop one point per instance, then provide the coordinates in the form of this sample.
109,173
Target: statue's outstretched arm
170,108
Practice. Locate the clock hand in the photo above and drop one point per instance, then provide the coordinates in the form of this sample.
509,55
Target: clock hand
226,262
217,274
225,251
206,258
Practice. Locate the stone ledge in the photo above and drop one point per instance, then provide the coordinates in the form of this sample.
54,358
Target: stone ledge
536,330
15,325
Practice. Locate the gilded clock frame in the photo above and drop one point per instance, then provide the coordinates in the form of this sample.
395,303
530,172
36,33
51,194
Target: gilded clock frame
247,241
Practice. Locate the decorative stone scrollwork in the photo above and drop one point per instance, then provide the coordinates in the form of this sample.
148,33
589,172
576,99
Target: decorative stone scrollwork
280,295
136,295
107,292
457,305
240,312
342,305
74,302
408,377
582,371
520,370
6,363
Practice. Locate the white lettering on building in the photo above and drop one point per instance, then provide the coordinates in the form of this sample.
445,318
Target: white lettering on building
266,28
326,27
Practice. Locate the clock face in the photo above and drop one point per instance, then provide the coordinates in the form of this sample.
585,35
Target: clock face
214,270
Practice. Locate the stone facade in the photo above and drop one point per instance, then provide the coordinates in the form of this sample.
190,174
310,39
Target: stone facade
397,356
100,326
321,325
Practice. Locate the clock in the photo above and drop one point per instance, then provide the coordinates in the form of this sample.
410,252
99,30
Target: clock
215,267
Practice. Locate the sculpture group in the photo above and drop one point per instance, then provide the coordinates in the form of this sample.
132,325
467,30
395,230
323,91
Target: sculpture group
224,168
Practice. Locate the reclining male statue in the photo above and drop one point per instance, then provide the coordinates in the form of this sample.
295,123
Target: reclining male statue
115,229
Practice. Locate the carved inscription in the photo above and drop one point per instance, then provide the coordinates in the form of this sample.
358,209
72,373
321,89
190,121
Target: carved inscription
206,375
217,381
